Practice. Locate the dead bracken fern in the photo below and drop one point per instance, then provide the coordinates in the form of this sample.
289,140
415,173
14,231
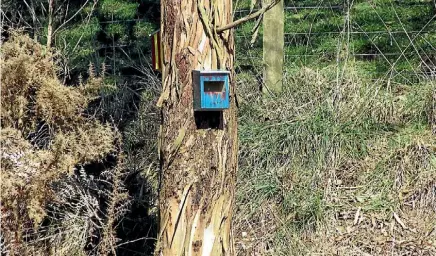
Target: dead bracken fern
45,135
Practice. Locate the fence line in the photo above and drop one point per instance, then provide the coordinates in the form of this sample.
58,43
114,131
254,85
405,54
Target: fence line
359,32
351,54
332,7
120,21
351,32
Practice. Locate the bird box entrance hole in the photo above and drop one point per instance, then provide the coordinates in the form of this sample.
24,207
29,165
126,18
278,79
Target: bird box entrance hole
214,86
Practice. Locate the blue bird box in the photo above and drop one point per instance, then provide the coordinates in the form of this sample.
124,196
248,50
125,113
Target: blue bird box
211,90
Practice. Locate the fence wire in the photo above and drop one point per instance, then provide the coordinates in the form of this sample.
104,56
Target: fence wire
381,37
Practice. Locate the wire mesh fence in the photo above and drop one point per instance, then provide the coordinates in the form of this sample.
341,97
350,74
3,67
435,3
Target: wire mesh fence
394,38
382,37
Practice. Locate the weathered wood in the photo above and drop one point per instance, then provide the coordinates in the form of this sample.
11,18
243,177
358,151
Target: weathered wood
50,23
273,48
198,166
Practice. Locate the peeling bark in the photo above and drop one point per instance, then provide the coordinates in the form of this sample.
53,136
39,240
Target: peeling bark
198,166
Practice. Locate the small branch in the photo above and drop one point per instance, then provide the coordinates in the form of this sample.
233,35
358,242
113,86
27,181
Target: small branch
255,30
72,17
247,18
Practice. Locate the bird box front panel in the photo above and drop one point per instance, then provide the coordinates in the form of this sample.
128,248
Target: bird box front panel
214,91
211,90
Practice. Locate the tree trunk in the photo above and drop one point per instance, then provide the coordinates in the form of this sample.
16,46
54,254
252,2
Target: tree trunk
198,164
273,44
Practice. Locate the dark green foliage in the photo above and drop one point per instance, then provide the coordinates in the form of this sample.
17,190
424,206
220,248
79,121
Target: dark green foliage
78,43
118,9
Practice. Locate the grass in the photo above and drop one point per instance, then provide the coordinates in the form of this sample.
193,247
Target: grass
343,161
325,165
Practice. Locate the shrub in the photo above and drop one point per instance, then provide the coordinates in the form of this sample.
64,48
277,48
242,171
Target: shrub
46,134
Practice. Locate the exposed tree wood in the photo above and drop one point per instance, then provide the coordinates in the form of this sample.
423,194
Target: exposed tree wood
273,48
50,23
198,166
